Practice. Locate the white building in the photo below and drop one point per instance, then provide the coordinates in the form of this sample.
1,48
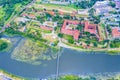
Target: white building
102,7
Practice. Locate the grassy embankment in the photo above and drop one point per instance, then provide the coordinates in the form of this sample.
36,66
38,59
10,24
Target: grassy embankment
101,46
88,77
66,9
111,51
5,45
11,76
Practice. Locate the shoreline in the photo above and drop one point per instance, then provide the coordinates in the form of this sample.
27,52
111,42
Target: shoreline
5,74
101,76
111,51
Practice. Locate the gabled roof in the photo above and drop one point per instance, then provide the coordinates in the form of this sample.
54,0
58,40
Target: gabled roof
28,15
116,32
51,13
46,28
91,28
74,33
60,12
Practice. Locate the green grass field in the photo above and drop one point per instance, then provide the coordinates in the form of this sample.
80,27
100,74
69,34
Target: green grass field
66,9
2,13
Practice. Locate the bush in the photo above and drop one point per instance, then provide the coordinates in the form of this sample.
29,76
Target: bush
60,35
95,44
3,45
115,43
112,4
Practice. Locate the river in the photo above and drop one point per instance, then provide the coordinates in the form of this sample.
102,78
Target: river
70,62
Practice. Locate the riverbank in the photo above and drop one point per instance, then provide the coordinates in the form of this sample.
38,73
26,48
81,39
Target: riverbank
104,76
84,62
99,76
5,45
8,76
112,51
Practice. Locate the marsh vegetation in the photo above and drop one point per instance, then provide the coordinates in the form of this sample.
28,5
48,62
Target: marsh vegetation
33,52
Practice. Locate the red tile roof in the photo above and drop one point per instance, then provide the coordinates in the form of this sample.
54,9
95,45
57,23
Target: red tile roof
46,28
51,13
74,33
61,13
116,32
24,14
28,15
92,28
31,16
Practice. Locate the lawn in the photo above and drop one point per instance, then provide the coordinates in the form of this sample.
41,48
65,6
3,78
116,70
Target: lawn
36,26
72,26
50,24
102,31
2,13
66,9
82,15
38,29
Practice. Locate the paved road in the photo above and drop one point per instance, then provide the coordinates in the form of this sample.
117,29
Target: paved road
22,9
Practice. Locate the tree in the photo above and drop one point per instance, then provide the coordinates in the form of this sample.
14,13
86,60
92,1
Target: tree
87,42
80,27
3,45
95,44
87,34
67,16
112,4
1,35
60,35
48,15
41,19
92,11
84,4
115,43
70,40
56,18
9,7
60,22
96,19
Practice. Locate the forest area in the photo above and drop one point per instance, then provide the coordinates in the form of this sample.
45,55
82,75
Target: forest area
8,7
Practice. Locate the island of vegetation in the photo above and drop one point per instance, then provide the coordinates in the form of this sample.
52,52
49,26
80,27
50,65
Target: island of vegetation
34,52
5,45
